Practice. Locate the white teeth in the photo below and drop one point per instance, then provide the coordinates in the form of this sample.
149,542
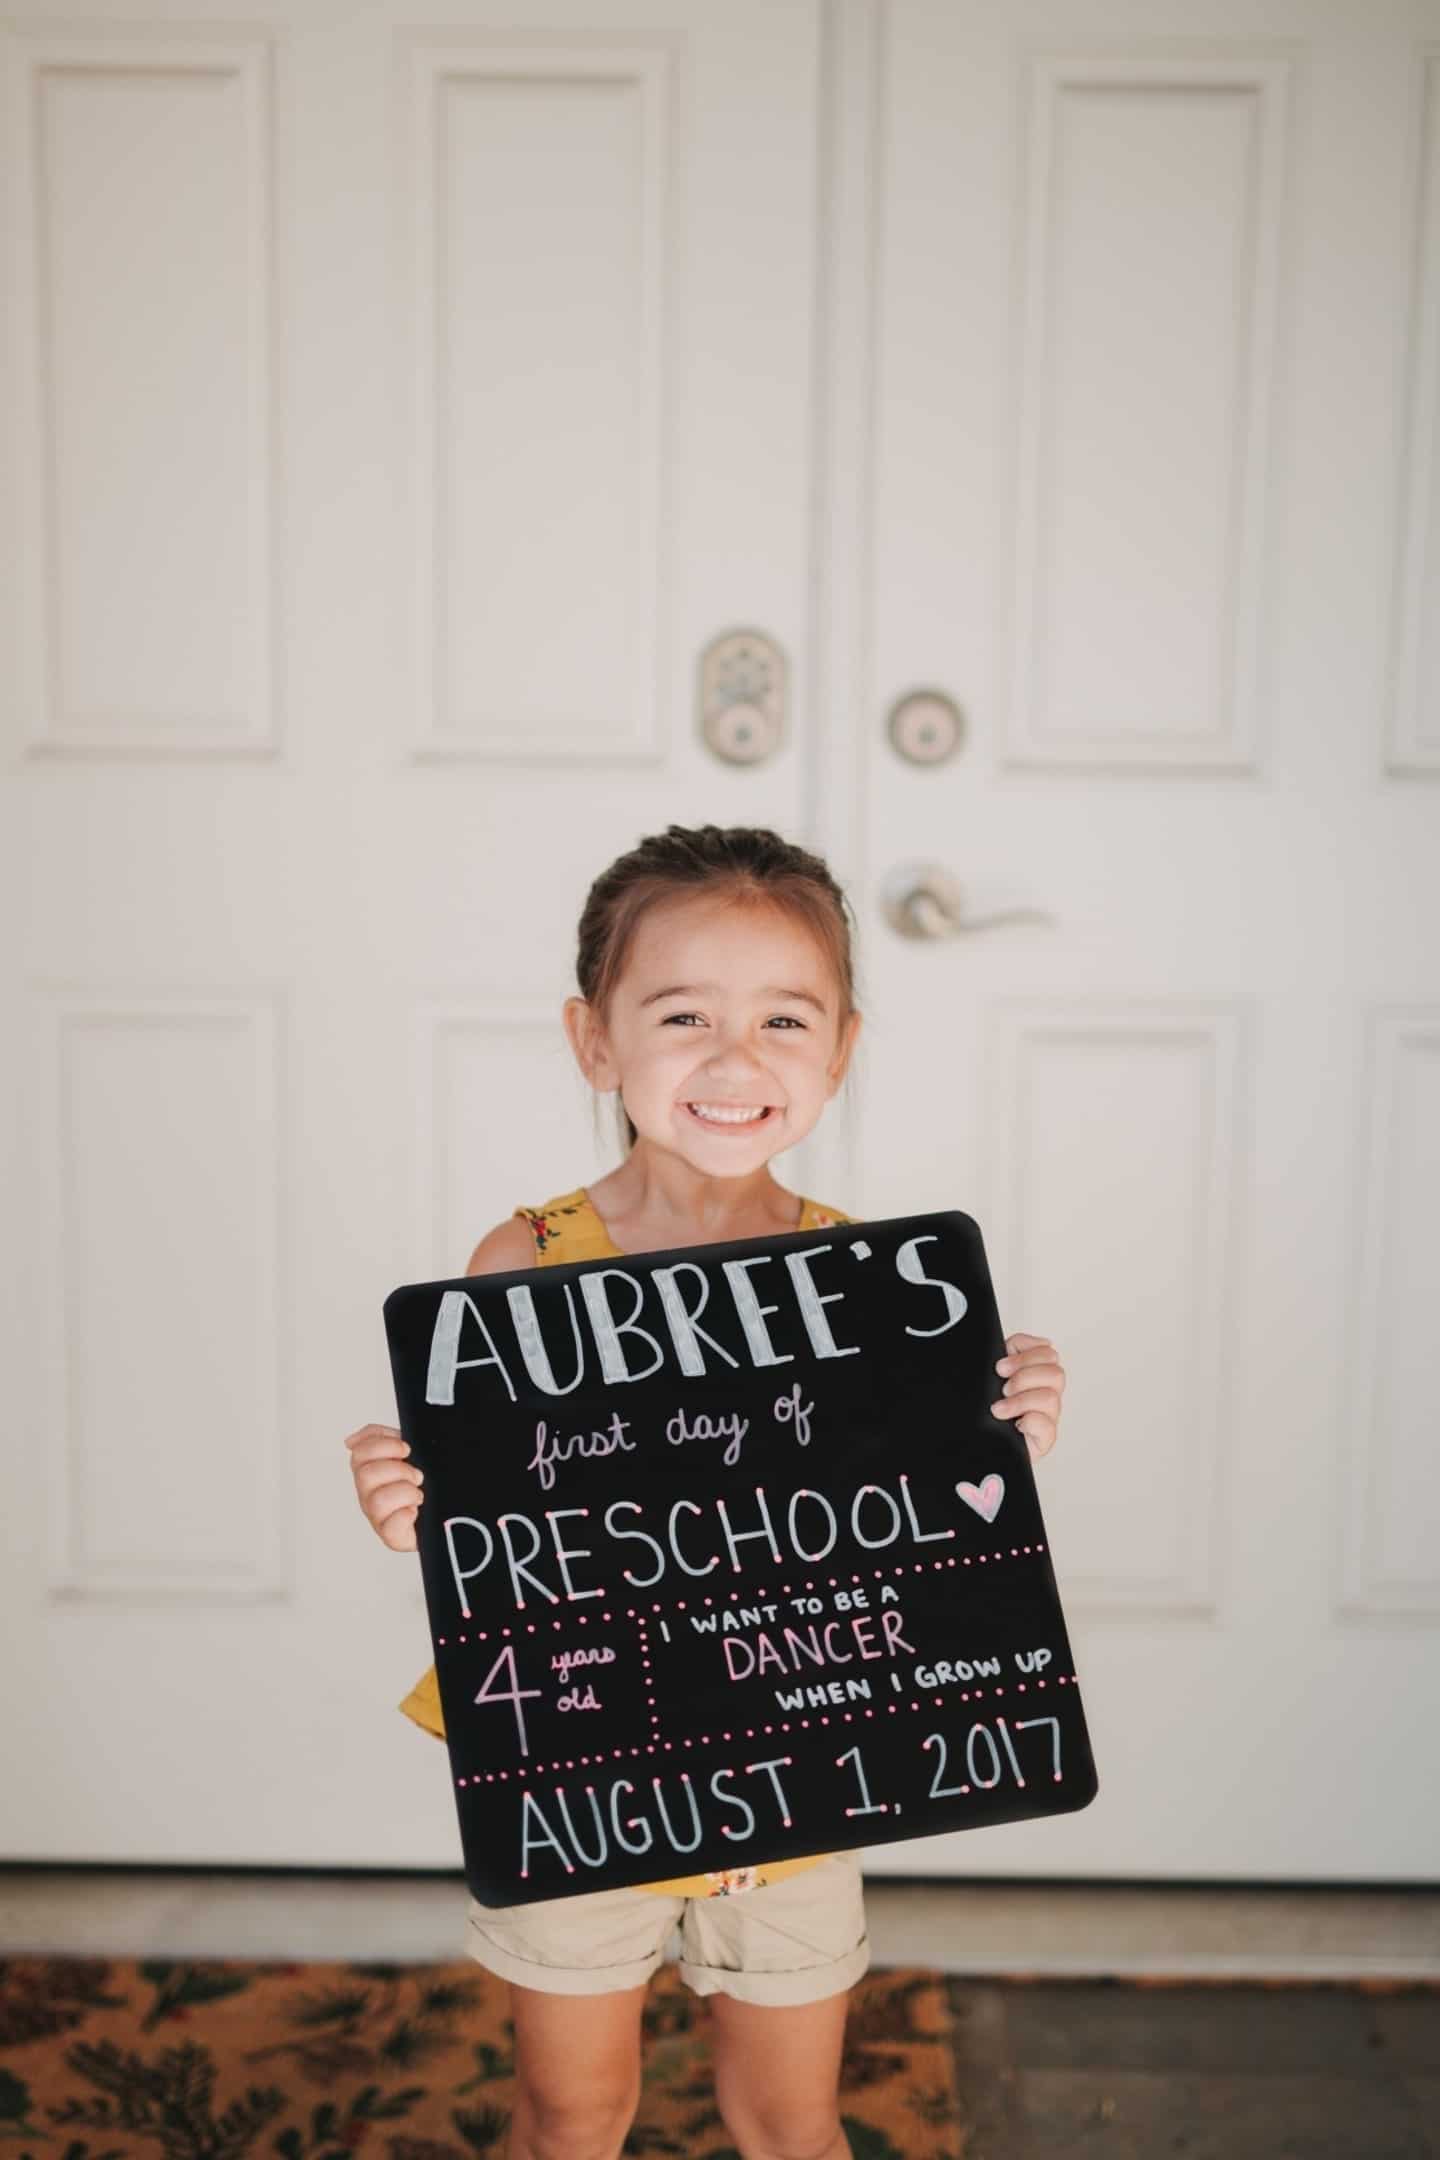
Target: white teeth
727,1114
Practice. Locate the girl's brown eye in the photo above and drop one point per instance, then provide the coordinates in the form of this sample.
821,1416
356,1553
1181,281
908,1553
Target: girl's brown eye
788,1018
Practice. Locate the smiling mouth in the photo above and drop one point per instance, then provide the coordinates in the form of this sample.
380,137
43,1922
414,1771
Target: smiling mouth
729,1117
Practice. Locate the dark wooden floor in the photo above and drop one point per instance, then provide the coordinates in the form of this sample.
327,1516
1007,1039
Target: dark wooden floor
1127,2072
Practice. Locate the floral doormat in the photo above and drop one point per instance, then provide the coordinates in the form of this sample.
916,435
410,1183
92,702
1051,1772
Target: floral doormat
109,2059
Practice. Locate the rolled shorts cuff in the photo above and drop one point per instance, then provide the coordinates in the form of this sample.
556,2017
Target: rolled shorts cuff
799,1984
558,1979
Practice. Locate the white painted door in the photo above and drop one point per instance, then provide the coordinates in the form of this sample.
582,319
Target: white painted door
396,414
1150,484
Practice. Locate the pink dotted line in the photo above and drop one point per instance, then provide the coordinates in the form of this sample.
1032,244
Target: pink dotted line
483,1634
748,1732
649,1679
917,1567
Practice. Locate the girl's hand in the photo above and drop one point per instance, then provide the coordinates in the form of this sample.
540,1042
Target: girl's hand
1034,1385
386,1485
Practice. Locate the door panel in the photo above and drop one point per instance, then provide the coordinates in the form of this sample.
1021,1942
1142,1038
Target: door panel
401,411
1142,302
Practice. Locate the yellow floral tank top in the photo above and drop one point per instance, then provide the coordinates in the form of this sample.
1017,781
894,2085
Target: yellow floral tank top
570,1228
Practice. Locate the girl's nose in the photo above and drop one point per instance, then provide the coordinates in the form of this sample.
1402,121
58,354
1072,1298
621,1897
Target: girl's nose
733,1076
732,1058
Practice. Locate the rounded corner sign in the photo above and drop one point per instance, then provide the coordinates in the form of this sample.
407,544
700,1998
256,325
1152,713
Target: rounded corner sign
727,1559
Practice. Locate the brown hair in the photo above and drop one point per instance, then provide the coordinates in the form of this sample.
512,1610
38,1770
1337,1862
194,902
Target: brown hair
747,863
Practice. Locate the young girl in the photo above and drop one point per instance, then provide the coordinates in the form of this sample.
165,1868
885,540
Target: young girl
717,1001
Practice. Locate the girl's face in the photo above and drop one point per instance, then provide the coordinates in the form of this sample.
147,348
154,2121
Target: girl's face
721,1006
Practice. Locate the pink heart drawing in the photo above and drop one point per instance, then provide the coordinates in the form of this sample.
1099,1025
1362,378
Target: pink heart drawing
985,1497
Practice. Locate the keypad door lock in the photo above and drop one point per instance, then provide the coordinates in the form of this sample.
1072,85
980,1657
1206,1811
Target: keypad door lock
742,696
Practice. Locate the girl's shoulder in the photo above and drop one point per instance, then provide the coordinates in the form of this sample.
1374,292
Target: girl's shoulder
570,1227
815,1217
566,1228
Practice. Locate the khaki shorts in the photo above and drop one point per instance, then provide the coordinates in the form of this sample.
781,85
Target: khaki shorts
792,1941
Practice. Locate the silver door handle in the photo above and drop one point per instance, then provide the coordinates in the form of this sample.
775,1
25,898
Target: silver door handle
922,900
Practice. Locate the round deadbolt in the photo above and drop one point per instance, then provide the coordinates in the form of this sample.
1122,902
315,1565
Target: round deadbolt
740,733
925,727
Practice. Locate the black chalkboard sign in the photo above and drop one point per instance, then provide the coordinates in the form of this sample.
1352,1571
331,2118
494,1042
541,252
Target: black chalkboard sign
728,1560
